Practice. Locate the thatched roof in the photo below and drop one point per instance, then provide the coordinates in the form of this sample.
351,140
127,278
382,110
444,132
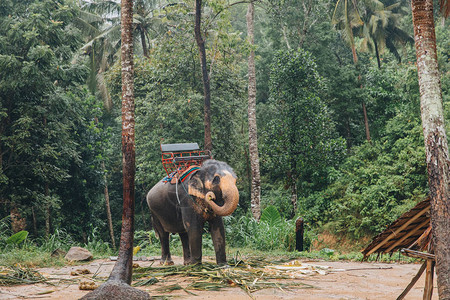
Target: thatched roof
411,229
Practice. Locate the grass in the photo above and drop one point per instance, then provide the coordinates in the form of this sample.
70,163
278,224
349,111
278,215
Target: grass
37,253
29,256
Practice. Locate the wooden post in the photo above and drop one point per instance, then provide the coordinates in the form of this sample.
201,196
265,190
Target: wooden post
413,282
428,290
299,234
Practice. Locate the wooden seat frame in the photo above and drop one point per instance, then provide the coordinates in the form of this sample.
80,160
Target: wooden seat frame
179,157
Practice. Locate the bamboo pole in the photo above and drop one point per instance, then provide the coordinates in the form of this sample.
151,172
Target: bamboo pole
413,281
428,290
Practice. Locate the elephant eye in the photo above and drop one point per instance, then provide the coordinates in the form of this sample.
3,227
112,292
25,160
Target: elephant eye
216,180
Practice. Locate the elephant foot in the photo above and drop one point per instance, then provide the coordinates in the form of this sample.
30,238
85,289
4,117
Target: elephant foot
166,262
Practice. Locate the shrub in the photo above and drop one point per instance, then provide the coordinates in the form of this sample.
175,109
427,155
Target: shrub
271,233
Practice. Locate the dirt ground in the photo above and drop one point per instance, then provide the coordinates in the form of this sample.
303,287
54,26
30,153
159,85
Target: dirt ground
344,280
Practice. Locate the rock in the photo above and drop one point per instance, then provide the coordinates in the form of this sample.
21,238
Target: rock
78,254
116,290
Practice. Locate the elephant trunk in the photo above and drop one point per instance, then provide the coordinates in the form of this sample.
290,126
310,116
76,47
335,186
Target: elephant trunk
230,196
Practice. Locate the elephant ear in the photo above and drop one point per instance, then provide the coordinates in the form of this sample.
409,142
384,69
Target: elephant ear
196,187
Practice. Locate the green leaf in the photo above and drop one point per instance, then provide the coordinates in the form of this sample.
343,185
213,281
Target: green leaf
17,238
271,216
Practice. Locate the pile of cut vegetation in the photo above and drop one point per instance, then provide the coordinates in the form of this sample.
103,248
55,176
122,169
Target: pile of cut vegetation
17,274
251,275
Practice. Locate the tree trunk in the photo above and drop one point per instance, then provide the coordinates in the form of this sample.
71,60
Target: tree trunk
205,76
294,196
33,212
377,54
349,134
144,43
252,129
18,223
435,138
123,268
366,121
47,212
108,208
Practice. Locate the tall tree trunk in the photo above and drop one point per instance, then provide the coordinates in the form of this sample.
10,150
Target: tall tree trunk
108,207
366,119
123,268
438,164
47,211
377,54
18,223
118,285
205,76
294,197
252,129
144,43
349,134
33,212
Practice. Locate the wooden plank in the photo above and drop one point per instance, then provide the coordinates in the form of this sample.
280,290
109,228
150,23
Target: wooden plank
413,281
179,147
411,232
421,241
188,158
417,254
398,230
428,290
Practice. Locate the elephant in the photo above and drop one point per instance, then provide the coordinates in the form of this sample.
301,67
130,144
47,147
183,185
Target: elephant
184,207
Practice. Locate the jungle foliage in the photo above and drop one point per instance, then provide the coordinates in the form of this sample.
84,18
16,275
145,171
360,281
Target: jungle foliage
60,93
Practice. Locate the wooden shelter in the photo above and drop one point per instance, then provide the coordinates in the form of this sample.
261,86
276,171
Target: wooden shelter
411,235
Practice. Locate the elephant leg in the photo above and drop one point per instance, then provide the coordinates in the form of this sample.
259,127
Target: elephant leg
163,235
218,238
194,228
186,250
195,245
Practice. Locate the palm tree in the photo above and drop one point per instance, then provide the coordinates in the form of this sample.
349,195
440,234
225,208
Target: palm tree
252,129
102,42
345,18
205,76
100,22
436,145
118,284
381,30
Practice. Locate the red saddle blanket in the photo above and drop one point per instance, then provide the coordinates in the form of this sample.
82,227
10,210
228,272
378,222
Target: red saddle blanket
181,177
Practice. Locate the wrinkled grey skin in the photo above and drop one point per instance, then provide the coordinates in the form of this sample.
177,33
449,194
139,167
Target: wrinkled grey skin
205,196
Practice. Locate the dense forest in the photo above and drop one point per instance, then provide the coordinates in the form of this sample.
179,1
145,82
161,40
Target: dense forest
337,111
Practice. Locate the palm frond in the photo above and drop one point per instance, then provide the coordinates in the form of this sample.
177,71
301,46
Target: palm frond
90,17
374,4
87,29
103,7
104,34
393,50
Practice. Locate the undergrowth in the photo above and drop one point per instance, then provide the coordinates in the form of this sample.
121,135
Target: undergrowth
273,237
29,252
